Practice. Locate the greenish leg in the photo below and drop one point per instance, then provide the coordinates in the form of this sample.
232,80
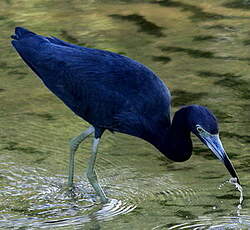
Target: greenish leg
91,174
74,144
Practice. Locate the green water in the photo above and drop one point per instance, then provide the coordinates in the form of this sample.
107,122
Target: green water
201,51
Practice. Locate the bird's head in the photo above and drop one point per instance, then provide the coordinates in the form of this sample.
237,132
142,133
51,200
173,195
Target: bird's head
204,125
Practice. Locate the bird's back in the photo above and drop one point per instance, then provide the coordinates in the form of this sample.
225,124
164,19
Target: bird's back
106,89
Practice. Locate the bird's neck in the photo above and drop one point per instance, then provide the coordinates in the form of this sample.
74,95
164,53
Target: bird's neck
175,143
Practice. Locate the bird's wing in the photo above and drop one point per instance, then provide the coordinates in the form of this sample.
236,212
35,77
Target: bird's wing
100,86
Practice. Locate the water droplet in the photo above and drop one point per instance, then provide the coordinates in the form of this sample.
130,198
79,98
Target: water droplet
234,181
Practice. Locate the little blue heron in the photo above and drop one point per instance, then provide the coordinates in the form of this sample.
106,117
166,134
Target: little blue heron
113,92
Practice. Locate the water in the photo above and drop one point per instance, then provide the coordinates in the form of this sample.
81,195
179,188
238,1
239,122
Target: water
238,187
199,48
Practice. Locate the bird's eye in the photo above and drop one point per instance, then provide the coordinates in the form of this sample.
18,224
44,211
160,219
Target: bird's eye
199,129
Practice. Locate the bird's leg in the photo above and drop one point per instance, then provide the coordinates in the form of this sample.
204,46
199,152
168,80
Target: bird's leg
74,144
91,174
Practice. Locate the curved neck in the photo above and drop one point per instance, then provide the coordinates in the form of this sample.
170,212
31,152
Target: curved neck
175,143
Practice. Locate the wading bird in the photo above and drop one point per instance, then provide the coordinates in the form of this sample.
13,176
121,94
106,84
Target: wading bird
113,92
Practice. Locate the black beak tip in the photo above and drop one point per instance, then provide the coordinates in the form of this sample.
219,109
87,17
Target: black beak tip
231,170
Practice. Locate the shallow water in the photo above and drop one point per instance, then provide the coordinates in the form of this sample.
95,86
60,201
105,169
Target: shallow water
201,51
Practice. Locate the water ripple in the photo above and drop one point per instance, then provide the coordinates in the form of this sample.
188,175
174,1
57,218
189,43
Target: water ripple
209,223
37,200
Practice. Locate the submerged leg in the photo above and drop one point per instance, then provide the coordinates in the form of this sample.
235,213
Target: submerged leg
74,144
91,174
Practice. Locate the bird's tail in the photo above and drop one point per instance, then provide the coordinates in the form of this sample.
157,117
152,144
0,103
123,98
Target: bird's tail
28,45
21,33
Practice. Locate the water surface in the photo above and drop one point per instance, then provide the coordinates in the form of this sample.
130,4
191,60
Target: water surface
201,51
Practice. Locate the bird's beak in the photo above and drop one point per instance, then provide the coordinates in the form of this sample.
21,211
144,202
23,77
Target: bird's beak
213,142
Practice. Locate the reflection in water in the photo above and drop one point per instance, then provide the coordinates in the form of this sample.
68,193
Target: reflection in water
230,80
204,60
198,14
144,25
245,5
163,59
181,97
195,53
205,38
221,27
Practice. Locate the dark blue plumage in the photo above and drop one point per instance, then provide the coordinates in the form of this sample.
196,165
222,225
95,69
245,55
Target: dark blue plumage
104,88
114,92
